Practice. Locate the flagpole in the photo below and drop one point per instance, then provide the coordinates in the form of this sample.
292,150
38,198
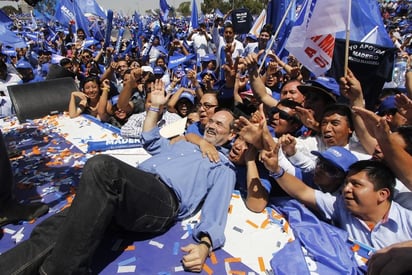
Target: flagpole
345,66
276,34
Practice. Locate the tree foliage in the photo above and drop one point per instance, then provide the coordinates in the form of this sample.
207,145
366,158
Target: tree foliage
208,6
254,6
185,8
10,10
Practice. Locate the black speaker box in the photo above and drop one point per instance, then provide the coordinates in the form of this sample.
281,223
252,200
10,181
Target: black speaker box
35,100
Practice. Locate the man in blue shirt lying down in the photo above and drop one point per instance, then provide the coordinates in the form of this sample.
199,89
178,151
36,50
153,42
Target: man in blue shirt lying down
172,185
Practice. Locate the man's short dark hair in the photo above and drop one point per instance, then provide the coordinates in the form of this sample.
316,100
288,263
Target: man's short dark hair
267,28
340,109
64,61
377,172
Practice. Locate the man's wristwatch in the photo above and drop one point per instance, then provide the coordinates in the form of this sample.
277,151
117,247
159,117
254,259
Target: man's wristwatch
278,174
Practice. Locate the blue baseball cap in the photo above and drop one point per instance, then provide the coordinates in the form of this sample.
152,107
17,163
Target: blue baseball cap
251,36
23,64
208,72
188,96
208,57
389,103
158,70
179,72
326,85
338,156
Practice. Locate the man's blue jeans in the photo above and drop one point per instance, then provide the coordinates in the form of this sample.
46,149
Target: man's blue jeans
7,180
110,191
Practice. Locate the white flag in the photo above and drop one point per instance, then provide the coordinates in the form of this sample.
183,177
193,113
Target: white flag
258,24
312,39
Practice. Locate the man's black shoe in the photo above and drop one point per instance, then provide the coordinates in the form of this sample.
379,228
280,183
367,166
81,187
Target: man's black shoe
13,212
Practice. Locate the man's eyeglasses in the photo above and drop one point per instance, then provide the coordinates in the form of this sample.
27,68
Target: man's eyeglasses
282,115
205,106
86,56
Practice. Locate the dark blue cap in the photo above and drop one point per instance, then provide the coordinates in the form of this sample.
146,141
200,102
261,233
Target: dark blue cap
326,85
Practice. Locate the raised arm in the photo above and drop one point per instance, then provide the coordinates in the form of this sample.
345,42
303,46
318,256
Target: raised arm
127,91
76,110
258,87
158,100
257,196
290,184
393,151
351,89
104,106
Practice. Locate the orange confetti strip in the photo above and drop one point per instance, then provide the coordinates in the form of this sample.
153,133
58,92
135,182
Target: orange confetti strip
252,223
233,260
103,136
213,258
261,264
230,209
65,153
355,248
286,227
264,223
276,215
54,163
237,272
36,150
235,196
130,248
207,269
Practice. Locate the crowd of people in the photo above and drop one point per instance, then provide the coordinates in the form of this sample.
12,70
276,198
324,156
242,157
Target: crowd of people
266,127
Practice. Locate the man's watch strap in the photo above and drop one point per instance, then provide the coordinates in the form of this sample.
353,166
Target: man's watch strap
208,245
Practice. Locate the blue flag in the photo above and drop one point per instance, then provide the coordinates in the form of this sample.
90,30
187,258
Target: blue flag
194,21
67,11
139,31
218,13
275,12
9,38
164,10
178,59
90,6
327,248
4,18
365,16
98,33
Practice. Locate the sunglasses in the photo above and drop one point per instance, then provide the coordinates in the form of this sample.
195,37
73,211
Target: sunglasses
282,114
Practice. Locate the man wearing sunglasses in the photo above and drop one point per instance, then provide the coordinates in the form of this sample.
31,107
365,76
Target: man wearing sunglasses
282,119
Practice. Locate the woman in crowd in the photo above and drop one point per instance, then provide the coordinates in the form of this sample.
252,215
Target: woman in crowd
92,100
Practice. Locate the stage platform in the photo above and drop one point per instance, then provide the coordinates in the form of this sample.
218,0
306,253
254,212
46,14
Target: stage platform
47,159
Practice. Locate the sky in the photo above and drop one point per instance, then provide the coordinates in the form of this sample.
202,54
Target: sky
129,6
